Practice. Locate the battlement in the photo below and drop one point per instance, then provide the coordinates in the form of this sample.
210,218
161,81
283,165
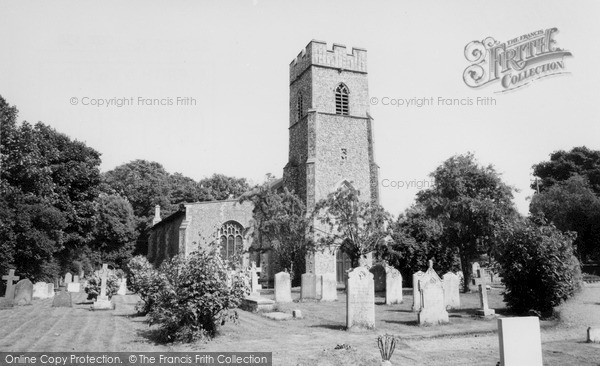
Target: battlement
316,53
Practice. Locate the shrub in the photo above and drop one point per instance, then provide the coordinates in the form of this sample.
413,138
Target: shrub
144,280
537,266
200,294
95,282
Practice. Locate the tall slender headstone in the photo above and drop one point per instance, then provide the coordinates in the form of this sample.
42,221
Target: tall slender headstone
328,287
451,290
122,286
416,294
254,274
483,298
102,302
393,286
283,288
308,290
433,310
360,299
520,341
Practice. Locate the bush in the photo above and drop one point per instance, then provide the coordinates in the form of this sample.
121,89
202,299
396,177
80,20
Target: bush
200,294
94,284
537,266
144,280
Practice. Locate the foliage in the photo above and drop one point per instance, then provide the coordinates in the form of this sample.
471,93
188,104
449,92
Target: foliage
280,224
144,280
470,202
416,238
358,227
538,266
221,187
572,205
199,295
95,282
566,164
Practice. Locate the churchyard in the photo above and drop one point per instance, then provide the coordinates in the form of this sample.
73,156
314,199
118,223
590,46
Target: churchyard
340,331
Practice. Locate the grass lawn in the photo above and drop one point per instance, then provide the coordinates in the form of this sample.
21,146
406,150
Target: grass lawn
467,340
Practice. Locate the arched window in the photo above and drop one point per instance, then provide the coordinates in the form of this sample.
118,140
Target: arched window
231,239
341,99
300,107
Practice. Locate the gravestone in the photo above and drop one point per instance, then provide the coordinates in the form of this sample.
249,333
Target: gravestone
23,292
593,335
50,290
379,277
483,298
73,287
393,286
360,299
308,290
433,310
40,290
68,278
416,295
122,287
318,286
283,288
451,284
62,299
520,341
10,286
76,279
102,302
254,274
328,287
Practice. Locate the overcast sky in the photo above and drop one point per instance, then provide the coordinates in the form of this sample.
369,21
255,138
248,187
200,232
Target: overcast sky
233,59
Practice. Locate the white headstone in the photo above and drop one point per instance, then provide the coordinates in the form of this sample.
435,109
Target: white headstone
73,287
254,274
76,279
122,287
416,294
433,310
520,341
68,278
283,288
50,290
309,286
328,287
40,290
360,299
483,298
451,290
393,286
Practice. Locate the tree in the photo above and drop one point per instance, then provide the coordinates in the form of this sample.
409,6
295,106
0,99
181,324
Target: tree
565,164
571,205
221,187
356,226
470,201
280,224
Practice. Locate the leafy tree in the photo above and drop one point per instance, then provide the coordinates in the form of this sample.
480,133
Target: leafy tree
358,227
416,238
571,205
221,187
537,265
565,164
280,224
470,201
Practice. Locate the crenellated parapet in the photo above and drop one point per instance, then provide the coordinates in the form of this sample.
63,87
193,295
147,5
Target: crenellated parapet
316,53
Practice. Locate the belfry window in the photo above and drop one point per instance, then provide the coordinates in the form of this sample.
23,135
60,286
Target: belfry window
231,240
341,99
300,107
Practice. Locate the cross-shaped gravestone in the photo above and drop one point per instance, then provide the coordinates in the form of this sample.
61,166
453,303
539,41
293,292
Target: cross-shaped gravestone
254,274
10,287
480,282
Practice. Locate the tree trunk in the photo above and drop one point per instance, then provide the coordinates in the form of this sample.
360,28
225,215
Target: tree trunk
466,267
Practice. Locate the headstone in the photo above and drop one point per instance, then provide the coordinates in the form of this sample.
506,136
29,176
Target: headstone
254,274
416,294
283,287
297,314
593,334
451,284
122,287
40,290
360,299
483,298
379,277
50,290
520,341
81,274
10,287
76,279
62,299
433,311
309,286
23,292
68,278
393,286
328,287
102,302
73,287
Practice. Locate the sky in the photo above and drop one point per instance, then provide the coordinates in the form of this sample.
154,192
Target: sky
60,59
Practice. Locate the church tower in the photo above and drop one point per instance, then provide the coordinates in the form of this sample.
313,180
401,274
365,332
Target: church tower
331,138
